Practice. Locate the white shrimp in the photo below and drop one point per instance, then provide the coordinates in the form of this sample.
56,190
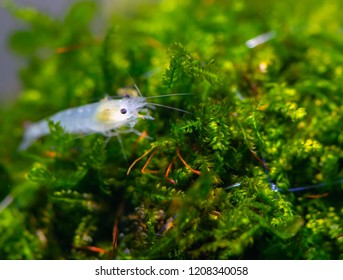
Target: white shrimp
107,117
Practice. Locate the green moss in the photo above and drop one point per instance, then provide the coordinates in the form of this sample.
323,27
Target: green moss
261,118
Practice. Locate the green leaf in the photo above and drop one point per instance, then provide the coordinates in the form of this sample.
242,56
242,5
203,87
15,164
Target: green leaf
80,14
41,175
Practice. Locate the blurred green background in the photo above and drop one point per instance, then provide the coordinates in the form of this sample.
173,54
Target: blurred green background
262,116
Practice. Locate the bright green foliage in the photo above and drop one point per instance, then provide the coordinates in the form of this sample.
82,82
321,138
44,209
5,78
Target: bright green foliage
183,66
262,116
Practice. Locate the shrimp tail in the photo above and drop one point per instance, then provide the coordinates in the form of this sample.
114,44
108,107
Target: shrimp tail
32,133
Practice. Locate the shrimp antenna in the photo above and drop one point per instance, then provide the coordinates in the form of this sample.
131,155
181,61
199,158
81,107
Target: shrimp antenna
164,95
134,84
169,107
168,95
136,88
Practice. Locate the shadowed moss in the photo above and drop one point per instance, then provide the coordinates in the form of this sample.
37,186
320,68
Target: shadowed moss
218,183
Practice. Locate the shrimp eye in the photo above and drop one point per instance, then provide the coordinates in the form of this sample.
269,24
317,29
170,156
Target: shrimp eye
123,111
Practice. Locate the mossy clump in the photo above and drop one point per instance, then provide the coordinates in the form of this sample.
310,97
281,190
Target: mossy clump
253,172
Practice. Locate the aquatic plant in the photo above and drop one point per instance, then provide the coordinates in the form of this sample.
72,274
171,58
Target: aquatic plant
253,172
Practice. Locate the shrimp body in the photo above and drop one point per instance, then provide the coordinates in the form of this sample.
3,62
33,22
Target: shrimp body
107,117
